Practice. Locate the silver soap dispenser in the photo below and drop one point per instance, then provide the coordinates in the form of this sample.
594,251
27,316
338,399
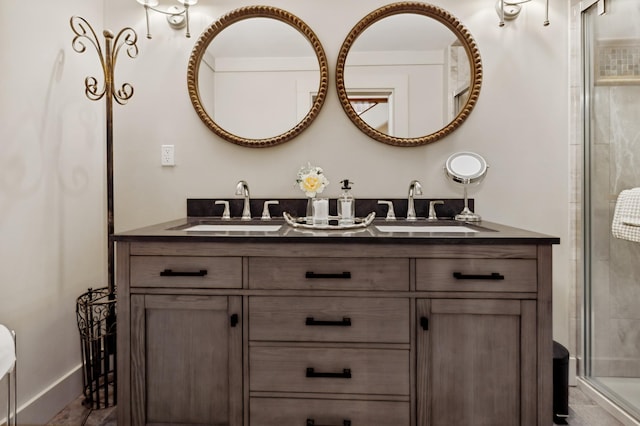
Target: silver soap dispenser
346,205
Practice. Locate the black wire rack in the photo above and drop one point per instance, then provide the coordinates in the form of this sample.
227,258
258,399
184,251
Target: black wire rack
96,315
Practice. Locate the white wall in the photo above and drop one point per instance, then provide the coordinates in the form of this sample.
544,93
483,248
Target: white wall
52,244
51,186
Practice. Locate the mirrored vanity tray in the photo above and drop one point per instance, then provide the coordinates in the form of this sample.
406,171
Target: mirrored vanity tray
301,222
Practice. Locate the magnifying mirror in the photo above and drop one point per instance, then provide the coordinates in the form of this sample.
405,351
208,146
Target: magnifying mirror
466,168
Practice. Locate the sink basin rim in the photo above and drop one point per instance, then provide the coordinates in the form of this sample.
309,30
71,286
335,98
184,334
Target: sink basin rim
233,227
440,229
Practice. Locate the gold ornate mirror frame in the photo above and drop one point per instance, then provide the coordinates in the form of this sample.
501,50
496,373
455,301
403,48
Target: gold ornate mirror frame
439,15
225,21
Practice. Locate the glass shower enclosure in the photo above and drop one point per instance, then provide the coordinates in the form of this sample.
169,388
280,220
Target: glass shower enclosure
611,77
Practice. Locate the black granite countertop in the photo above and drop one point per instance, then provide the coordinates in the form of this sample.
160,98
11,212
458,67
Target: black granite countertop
477,233
205,211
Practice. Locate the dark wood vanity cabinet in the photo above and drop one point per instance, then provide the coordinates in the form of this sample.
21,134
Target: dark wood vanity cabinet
357,334
330,357
180,340
476,362
477,343
186,355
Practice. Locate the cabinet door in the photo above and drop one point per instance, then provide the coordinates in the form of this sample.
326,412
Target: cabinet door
186,360
476,362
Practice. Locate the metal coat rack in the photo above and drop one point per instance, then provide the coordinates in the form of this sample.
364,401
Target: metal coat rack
96,309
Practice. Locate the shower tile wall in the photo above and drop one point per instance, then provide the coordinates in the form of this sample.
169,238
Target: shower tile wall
616,263
459,77
618,59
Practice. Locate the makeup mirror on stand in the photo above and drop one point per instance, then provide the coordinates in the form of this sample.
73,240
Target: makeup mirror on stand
466,168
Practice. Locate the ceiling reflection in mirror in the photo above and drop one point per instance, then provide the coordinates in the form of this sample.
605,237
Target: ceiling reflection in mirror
258,76
408,74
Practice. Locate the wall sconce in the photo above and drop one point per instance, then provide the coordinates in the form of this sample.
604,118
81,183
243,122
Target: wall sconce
510,9
177,18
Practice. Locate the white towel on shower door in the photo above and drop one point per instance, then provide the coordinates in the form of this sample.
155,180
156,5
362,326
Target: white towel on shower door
7,351
626,217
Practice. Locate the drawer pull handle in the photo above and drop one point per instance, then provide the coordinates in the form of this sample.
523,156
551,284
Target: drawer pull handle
172,273
345,322
342,275
493,276
311,422
346,374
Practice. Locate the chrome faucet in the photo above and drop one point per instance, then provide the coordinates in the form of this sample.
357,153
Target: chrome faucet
414,189
243,189
432,209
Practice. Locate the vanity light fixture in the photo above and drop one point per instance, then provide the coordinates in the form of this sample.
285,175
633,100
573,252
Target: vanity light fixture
177,17
510,9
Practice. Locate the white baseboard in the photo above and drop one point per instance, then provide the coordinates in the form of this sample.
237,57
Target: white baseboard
45,405
573,371
607,405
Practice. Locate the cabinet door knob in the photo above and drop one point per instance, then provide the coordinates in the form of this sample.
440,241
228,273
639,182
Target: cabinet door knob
424,323
233,320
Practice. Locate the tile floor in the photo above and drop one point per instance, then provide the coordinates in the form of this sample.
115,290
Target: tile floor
582,409
76,414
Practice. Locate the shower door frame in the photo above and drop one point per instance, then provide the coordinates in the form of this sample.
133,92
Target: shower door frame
586,80
586,327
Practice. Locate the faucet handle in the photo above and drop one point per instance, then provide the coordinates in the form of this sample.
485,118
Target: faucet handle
391,215
265,209
432,209
242,188
225,214
417,188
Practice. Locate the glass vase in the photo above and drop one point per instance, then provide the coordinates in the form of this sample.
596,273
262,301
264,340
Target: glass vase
309,213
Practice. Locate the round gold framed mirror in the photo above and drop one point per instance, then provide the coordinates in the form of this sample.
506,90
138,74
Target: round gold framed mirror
258,76
408,74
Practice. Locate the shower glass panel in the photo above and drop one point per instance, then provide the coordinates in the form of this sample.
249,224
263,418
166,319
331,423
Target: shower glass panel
611,52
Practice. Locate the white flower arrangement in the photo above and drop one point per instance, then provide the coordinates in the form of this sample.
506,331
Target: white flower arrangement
311,180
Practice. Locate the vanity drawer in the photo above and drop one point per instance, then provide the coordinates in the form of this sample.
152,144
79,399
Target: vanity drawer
298,412
186,271
329,370
329,273
500,275
329,319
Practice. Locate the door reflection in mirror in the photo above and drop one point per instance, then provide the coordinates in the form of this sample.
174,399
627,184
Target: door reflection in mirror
375,109
412,46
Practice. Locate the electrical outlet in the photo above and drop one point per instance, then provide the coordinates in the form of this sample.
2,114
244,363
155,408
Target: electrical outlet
167,155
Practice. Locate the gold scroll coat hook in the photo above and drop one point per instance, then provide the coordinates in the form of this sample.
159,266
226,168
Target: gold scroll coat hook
84,36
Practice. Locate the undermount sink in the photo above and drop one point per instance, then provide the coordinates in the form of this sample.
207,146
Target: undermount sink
231,227
425,228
